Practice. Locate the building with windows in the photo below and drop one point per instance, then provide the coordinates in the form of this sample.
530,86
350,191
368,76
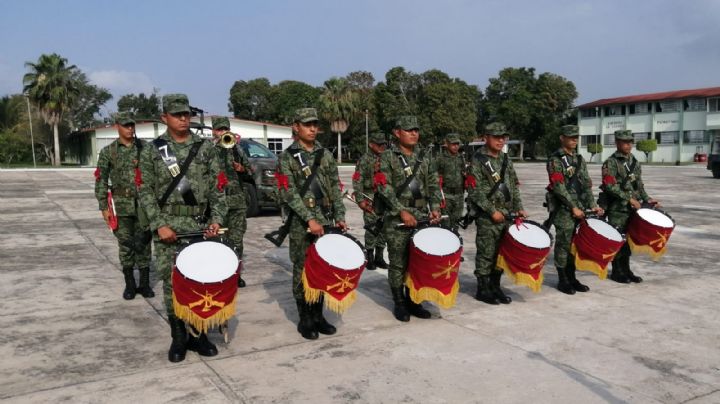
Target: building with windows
682,122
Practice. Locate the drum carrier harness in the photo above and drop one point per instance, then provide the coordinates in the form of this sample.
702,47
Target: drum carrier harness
498,179
179,181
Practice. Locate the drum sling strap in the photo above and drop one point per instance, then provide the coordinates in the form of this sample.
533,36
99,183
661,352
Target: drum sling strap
498,179
178,172
410,173
572,171
629,174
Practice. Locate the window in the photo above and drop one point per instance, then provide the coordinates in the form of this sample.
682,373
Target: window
666,137
643,108
588,113
609,139
590,139
696,137
614,110
275,145
255,150
667,106
714,104
694,104
641,136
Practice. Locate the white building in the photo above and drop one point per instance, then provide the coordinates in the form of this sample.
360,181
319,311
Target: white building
683,123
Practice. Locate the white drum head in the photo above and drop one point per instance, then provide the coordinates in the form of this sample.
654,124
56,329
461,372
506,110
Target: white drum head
530,235
655,217
340,251
207,262
604,229
436,241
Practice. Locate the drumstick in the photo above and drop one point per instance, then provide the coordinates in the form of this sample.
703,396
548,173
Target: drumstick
423,222
199,233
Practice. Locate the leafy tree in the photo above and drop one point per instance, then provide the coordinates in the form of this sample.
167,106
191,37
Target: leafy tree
140,105
338,105
12,109
251,99
51,87
448,105
647,146
82,113
289,95
594,148
398,95
14,147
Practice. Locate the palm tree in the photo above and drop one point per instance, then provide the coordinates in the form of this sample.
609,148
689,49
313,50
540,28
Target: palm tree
51,87
338,105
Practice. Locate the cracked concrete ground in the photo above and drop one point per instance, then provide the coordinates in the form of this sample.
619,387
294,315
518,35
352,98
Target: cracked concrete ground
67,335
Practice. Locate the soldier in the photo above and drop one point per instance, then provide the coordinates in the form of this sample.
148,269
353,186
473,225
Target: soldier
496,195
408,187
234,163
362,181
451,171
623,191
117,170
175,200
312,206
569,195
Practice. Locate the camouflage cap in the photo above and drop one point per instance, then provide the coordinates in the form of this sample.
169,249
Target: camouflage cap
378,138
570,131
305,115
624,134
407,122
220,122
496,129
174,103
453,138
124,118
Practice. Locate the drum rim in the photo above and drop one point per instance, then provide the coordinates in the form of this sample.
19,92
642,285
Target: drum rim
187,245
455,232
545,229
659,211
353,239
622,236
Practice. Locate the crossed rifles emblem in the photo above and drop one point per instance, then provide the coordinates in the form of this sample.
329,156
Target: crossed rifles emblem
342,284
660,241
207,301
447,270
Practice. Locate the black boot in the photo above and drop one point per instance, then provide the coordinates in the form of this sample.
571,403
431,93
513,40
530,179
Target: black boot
379,258
306,327
571,271
497,291
241,282
618,274
484,291
130,288
201,344
564,284
144,289
369,256
178,348
321,324
400,310
415,309
625,262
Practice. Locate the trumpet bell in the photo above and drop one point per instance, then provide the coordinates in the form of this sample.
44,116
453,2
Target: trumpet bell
227,140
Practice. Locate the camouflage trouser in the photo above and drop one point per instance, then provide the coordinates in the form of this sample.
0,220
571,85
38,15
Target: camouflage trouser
133,242
372,240
397,245
236,222
619,220
564,229
487,241
454,204
300,240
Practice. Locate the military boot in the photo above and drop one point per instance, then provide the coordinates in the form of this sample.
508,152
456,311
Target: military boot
564,284
369,256
241,282
321,324
130,288
400,310
144,289
201,344
178,347
497,291
484,291
305,327
618,274
579,287
379,258
415,309
625,262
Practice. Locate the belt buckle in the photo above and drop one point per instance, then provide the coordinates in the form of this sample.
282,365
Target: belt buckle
174,169
311,202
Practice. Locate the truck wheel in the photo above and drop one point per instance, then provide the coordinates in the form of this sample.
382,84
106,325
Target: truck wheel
251,198
716,170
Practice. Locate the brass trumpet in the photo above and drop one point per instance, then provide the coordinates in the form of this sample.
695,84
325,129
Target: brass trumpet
227,140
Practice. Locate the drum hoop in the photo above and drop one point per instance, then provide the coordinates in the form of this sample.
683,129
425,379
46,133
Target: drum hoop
419,229
359,244
658,210
184,245
622,235
552,239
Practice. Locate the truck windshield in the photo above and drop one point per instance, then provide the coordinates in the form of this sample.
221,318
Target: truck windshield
256,150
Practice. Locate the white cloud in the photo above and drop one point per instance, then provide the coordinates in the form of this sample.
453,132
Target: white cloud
122,82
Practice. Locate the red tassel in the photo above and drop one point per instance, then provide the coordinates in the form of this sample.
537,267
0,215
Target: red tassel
356,176
281,180
609,180
379,179
470,181
138,177
97,174
222,181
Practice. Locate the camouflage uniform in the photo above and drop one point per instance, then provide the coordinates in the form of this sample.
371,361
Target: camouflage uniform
451,168
116,170
235,198
362,181
618,187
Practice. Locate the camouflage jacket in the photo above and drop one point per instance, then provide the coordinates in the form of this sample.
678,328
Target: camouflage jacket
116,169
484,182
203,175
234,191
393,174
291,178
570,183
616,187
452,170
362,179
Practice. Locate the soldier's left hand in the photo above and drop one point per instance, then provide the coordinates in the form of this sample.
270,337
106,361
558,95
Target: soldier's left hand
238,167
341,225
212,230
435,217
598,211
654,202
522,213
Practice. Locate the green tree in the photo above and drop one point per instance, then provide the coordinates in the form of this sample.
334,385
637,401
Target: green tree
51,87
594,148
12,110
447,105
647,146
289,95
251,99
354,141
398,95
140,105
82,113
338,106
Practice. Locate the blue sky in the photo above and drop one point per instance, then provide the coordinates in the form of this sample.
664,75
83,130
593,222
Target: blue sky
607,48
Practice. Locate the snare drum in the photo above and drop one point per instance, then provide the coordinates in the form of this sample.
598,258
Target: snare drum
648,231
204,282
433,266
523,250
594,246
333,266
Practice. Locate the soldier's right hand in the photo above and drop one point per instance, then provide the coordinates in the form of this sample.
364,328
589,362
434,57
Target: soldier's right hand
577,213
635,204
408,219
497,217
166,234
106,216
315,227
366,206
